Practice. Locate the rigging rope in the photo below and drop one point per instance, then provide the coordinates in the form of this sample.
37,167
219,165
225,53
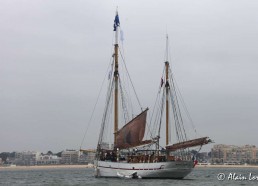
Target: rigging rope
162,109
106,111
126,117
152,124
177,105
89,122
131,81
184,105
127,83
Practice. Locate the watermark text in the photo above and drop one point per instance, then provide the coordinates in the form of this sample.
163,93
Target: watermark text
237,177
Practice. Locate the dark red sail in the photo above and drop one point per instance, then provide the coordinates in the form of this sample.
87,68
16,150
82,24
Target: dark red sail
190,143
132,133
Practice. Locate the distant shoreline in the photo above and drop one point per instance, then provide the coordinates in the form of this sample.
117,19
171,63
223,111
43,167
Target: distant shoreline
45,167
36,167
226,166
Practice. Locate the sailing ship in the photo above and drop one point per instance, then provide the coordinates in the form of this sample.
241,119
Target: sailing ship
130,154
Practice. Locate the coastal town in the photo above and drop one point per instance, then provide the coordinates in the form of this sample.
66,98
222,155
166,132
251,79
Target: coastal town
220,154
35,158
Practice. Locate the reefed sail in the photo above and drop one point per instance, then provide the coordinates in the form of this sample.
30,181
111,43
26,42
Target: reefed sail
132,133
190,143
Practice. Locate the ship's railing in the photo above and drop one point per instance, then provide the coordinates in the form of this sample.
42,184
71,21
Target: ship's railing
141,156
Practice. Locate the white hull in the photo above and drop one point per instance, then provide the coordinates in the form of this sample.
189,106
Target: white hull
171,169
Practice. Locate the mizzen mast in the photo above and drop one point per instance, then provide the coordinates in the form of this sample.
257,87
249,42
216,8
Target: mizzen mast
116,74
167,92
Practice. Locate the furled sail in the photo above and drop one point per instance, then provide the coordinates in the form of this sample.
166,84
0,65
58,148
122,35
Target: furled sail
132,133
190,143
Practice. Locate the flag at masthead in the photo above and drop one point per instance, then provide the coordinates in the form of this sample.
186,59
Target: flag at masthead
116,21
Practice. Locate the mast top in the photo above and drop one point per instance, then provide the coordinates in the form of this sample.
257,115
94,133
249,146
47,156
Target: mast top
166,57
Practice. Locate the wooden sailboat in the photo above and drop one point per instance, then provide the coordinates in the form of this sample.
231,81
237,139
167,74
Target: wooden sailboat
132,156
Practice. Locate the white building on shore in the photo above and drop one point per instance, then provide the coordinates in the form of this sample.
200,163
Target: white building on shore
232,154
48,159
70,157
27,158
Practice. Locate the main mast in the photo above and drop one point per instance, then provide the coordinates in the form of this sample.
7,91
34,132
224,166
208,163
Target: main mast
116,74
167,92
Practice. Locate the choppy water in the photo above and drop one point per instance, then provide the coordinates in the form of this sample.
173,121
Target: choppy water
75,176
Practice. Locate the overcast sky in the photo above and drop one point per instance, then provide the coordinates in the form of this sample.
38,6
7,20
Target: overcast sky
54,55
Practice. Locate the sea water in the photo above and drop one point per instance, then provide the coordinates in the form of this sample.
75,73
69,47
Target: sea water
84,176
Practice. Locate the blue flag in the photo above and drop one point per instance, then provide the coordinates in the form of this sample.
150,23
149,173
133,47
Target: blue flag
116,22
